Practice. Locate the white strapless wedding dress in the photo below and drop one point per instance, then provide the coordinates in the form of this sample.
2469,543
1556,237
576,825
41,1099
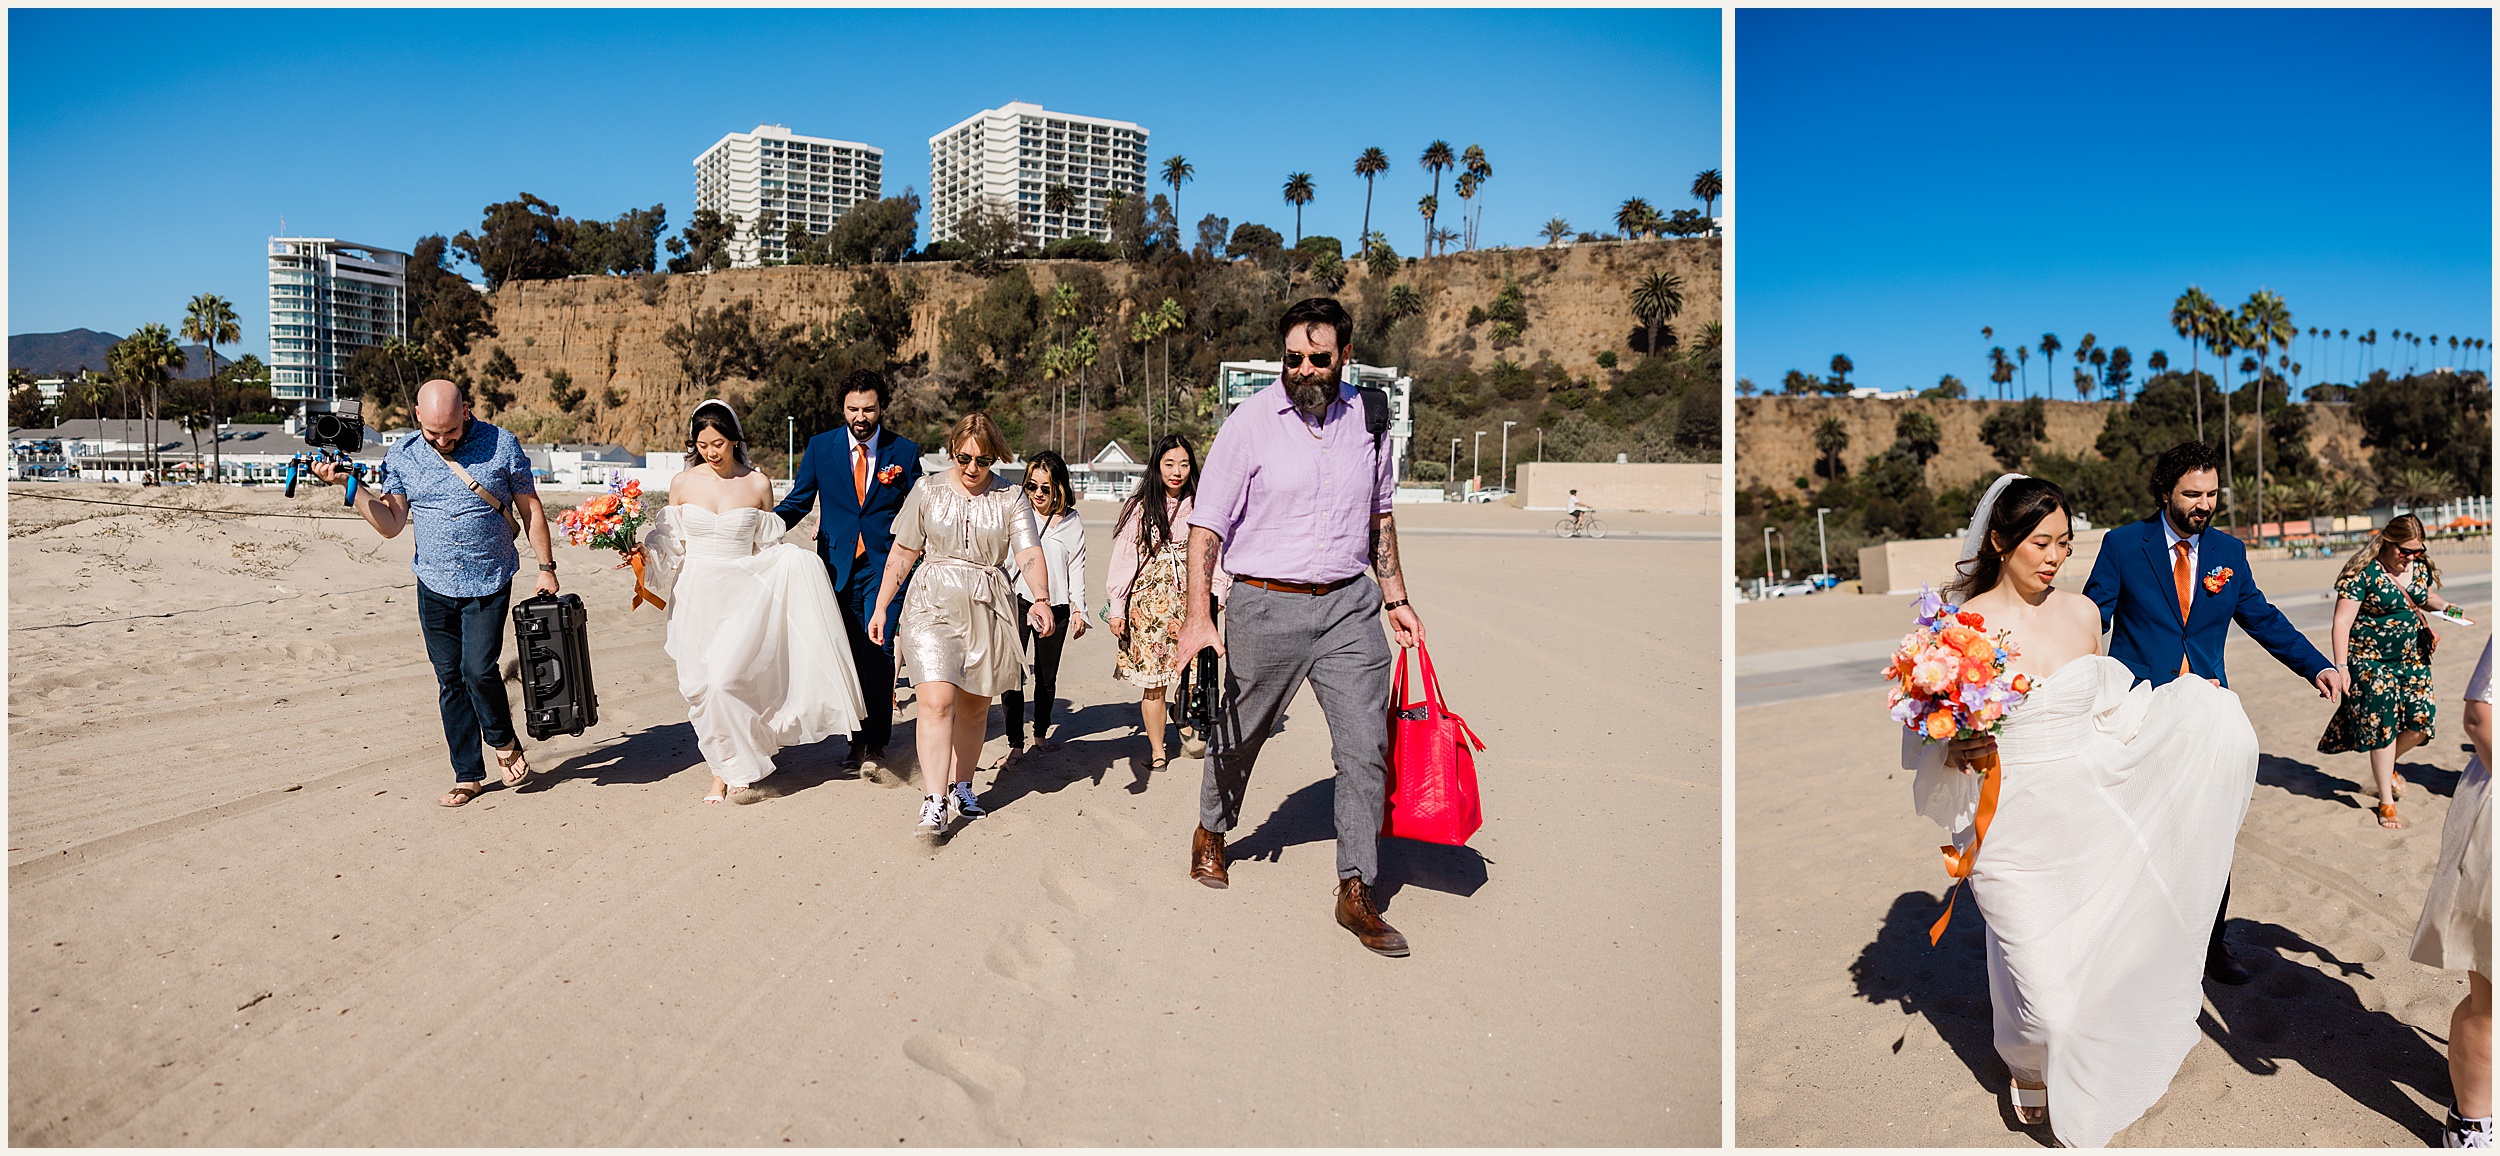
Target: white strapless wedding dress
2099,879
761,655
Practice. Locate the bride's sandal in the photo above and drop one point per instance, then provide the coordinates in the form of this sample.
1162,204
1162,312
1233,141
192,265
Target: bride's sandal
2031,1105
2387,817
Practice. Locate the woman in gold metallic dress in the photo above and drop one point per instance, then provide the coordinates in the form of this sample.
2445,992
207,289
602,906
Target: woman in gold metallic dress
958,633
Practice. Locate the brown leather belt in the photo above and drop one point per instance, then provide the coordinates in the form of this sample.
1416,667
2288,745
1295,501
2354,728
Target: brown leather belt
1298,587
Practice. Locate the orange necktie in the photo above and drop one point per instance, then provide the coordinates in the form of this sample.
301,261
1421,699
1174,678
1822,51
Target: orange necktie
859,484
2179,575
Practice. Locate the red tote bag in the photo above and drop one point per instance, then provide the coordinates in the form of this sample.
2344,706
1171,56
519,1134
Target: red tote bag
1432,774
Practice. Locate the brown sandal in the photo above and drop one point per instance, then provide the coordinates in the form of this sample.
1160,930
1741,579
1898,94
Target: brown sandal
506,764
461,793
2387,817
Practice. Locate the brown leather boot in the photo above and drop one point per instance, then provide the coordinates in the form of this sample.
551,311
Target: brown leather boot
1356,914
1206,859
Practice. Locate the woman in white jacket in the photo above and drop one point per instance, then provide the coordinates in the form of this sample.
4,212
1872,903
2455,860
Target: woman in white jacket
1062,535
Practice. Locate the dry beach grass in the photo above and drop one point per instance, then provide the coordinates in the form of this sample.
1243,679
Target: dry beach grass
237,916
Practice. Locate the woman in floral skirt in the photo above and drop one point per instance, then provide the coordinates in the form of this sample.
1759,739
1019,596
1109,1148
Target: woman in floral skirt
1149,552
2381,639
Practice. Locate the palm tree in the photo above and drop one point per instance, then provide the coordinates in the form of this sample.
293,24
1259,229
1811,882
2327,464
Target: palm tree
2343,357
1633,216
1177,171
1437,157
1481,171
1371,164
2191,317
146,360
1555,230
2267,322
1430,206
1444,238
2345,495
1657,297
1466,189
2159,363
210,321
1297,194
2000,370
1831,437
1707,187
2049,345
1057,200
2417,486
2022,358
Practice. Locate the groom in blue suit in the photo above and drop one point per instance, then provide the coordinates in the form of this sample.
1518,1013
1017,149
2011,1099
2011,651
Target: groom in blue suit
864,472
2149,571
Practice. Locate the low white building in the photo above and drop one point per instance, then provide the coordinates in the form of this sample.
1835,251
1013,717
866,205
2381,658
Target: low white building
112,450
1237,380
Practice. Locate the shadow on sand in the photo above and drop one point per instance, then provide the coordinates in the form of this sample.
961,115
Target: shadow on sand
2291,1013
2293,777
1309,815
2297,1013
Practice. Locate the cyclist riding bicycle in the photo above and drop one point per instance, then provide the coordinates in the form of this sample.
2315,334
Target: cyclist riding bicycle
1579,513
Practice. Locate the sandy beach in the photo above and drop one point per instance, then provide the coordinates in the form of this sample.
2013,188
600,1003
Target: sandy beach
238,917
1852,1031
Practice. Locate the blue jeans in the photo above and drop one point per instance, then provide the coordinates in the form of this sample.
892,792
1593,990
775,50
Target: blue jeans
464,637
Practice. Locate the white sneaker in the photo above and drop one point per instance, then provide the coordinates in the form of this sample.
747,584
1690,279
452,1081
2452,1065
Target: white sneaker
966,806
2461,1132
932,817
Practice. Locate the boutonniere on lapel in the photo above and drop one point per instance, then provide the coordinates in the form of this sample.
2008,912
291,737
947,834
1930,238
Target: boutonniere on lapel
2216,579
889,475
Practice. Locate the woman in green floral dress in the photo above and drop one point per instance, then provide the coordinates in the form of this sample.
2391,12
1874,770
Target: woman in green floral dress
2381,640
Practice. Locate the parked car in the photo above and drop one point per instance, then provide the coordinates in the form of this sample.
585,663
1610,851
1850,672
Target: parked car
1489,494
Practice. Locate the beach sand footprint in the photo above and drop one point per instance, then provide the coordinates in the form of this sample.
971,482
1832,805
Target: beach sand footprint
1120,826
994,1086
1073,891
1030,954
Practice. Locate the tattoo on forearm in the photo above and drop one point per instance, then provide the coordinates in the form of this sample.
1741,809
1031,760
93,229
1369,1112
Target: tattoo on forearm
1385,549
1201,592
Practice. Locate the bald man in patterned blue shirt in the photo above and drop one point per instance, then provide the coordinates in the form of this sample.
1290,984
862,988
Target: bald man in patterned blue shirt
465,564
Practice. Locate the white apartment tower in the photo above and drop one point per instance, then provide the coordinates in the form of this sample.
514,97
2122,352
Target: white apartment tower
1012,154
327,299
773,176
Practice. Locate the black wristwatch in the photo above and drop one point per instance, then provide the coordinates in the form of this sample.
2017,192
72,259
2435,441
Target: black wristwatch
547,567
1386,607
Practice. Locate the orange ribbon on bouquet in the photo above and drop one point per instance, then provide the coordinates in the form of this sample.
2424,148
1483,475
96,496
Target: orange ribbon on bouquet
1957,862
643,594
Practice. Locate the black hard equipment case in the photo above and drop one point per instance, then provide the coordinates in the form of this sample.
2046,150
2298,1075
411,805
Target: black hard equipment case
557,695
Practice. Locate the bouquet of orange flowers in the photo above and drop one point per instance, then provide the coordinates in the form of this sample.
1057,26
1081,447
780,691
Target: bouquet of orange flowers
1948,681
614,521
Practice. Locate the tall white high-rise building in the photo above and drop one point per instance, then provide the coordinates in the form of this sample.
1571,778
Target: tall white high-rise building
772,177
1012,154
327,299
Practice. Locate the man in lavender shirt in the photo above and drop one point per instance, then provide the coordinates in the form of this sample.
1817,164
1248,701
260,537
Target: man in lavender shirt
1297,490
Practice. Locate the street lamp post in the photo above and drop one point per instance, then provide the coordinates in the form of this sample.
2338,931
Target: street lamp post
1822,544
1453,470
1540,445
1475,457
1506,453
1767,577
790,447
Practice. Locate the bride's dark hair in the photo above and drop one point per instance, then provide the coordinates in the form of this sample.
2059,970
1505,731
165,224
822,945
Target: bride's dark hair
2018,510
716,417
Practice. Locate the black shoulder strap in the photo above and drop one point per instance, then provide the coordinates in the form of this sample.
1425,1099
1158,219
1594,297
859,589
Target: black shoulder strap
1375,413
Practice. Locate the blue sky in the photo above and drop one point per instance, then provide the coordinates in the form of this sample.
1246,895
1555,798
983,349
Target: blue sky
1909,177
152,153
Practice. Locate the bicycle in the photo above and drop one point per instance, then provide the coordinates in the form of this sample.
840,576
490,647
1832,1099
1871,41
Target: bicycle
1584,528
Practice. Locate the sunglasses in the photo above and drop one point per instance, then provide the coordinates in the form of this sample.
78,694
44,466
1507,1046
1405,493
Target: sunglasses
2414,552
1317,360
1037,487
968,460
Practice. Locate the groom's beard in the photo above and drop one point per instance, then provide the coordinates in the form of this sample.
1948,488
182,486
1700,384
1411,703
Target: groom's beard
863,430
1311,395
2189,523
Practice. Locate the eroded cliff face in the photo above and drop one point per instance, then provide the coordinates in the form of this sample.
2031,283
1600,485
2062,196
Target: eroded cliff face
606,332
1775,436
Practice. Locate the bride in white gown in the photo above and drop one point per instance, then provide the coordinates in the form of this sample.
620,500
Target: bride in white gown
2111,841
761,655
